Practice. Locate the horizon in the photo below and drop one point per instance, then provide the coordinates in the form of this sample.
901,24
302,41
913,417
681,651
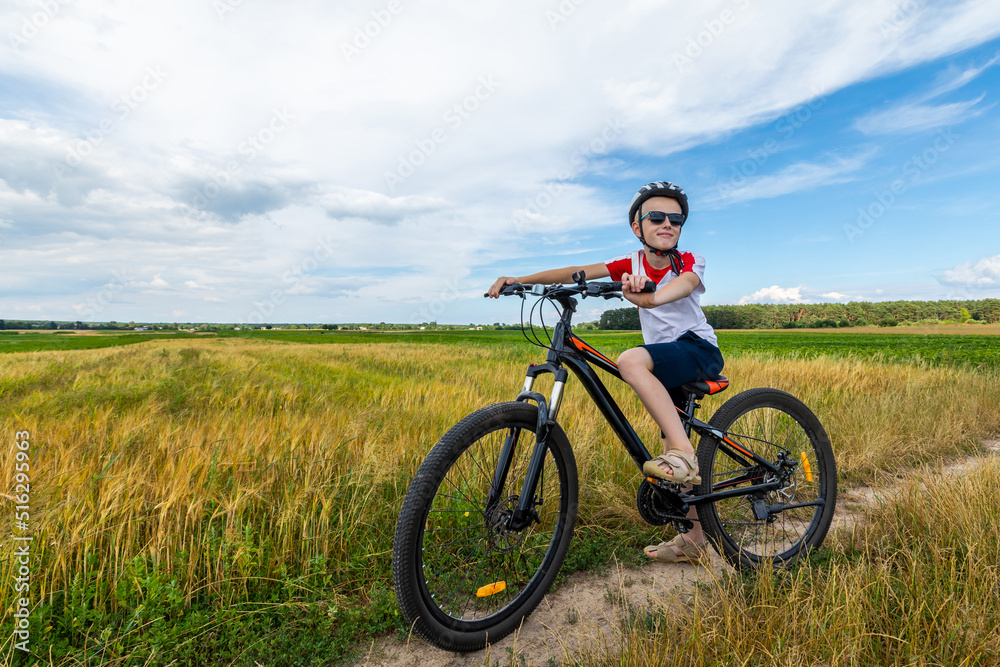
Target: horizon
315,324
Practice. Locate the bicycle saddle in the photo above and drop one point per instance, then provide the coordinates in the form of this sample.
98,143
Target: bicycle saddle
701,387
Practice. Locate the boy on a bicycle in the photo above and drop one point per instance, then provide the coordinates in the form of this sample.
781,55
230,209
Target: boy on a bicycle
679,344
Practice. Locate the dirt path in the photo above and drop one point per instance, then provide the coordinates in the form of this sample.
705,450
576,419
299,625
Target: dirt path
584,613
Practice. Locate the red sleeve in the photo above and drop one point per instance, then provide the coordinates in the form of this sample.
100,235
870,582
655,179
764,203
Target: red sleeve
687,262
618,266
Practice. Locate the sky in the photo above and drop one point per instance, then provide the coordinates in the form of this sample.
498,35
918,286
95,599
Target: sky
260,162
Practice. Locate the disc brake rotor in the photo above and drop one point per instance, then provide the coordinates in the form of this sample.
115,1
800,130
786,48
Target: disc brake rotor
501,538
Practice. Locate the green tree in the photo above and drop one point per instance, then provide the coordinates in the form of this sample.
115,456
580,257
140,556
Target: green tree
625,319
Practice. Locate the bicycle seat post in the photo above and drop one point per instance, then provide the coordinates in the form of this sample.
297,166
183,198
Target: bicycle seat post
692,405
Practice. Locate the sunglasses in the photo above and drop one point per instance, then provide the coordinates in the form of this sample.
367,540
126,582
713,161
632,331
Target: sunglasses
658,217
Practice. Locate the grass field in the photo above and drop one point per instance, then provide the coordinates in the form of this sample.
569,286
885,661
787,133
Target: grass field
977,347
226,499
37,341
915,586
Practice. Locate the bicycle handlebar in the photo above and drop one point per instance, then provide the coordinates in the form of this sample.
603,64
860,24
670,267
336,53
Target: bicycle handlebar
584,289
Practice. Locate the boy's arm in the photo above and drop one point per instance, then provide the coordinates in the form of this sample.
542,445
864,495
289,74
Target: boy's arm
678,288
550,277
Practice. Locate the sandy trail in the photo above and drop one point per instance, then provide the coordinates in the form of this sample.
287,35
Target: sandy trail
584,614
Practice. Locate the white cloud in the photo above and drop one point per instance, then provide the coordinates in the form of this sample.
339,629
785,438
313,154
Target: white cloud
775,294
983,274
954,79
836,296
306,210
794,178
918,117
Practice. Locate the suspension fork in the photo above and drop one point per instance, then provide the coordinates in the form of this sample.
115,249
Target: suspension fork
548,411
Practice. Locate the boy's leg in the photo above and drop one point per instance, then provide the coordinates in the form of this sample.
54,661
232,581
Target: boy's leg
636,368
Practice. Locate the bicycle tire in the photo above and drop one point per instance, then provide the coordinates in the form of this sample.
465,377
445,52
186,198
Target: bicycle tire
767,421
448,548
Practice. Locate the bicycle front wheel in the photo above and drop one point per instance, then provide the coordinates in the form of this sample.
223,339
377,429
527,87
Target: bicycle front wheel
783,430
464,572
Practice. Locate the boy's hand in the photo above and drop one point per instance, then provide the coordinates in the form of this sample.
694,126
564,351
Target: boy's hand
500,283
632,285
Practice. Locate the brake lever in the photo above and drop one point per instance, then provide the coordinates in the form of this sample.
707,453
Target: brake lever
515,288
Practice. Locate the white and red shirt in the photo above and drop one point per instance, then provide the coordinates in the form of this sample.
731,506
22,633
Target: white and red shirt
667,323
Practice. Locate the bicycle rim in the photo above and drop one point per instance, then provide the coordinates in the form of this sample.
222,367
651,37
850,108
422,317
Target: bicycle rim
475,572
769,428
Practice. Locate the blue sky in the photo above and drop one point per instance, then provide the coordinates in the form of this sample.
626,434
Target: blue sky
386,160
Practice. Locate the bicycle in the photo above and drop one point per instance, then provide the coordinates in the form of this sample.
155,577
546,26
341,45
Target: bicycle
489,515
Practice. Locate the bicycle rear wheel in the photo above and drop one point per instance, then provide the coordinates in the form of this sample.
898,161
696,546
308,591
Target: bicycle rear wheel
776,426
462,575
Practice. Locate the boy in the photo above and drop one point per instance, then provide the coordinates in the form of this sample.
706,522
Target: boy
679,344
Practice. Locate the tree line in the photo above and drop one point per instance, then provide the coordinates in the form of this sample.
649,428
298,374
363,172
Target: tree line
820,315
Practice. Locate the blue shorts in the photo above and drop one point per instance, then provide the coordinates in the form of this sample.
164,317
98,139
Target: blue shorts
687,359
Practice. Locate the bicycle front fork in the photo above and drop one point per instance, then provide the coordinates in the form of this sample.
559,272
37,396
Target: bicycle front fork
548,411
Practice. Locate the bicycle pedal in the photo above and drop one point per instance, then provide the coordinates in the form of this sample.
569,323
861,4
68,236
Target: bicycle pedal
665,484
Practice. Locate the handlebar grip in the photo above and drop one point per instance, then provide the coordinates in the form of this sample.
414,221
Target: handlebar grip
616,286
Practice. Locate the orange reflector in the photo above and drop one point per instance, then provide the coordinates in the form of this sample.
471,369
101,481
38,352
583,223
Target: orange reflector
652,480
491,589
806,467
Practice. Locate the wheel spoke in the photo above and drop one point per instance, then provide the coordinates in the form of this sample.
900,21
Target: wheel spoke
466,551
777,427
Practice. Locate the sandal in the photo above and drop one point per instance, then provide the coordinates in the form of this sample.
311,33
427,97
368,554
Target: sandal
684,467
689,551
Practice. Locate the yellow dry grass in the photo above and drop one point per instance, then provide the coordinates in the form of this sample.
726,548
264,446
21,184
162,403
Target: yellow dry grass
915,584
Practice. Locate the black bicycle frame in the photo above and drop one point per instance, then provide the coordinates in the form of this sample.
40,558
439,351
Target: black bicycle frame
571,351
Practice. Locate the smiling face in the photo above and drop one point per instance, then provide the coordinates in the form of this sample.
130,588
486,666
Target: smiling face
661,236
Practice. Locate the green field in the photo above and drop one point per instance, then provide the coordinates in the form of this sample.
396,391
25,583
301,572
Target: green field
975,351
30,341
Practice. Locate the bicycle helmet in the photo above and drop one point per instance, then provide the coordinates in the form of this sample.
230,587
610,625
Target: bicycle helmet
659,189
